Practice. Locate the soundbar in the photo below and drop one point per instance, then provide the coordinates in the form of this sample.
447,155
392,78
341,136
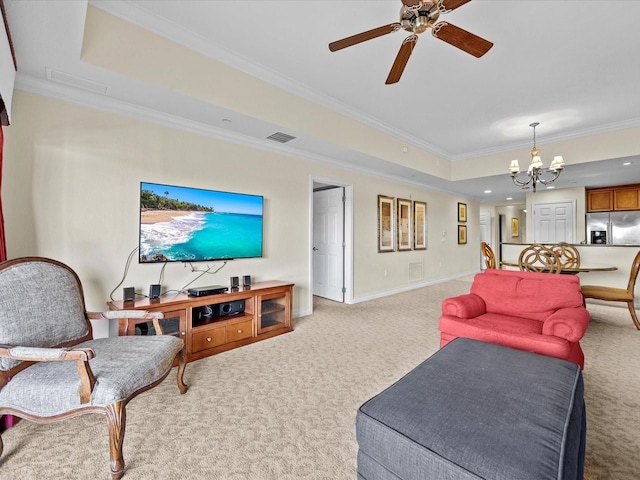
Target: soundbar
203,291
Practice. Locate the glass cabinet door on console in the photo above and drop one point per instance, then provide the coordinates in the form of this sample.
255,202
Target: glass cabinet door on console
174,323
273,312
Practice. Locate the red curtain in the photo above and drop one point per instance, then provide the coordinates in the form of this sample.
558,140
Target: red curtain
6,421
3,246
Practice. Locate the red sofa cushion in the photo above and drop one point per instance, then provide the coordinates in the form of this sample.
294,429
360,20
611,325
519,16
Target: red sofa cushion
533,295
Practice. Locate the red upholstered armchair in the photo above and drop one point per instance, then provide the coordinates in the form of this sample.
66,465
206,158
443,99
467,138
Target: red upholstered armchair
537,312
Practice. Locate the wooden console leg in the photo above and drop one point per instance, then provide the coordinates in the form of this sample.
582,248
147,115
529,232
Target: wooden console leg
182,362
116,420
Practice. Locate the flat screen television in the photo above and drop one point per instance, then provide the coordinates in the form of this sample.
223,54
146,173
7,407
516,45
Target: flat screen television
183,224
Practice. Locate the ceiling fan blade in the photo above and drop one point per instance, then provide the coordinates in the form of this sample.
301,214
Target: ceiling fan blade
448,5
364,36
460,38
401,59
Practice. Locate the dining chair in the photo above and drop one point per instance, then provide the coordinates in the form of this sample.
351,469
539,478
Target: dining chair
568,254
612,294
538,258
488,255
51,367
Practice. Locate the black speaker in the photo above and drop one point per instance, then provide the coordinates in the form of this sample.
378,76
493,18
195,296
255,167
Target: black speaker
246,280
154,290
235,282
227,308
128,294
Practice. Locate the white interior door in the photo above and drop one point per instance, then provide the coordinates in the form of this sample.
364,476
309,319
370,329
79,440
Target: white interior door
328,243
554,222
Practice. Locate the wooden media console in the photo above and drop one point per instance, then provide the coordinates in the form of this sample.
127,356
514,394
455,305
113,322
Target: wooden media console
215,323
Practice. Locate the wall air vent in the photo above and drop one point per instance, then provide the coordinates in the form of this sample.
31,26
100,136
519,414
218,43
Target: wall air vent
281,137
77,82
415,271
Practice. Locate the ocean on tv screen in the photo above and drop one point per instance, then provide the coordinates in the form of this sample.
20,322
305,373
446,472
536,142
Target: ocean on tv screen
198,236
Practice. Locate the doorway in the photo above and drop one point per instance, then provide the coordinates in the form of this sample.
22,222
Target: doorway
485,234
331,241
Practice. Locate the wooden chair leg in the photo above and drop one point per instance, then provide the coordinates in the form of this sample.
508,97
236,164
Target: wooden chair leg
634,317
182,362
116,420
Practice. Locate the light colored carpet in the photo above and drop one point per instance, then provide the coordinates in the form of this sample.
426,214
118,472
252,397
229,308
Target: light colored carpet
285,408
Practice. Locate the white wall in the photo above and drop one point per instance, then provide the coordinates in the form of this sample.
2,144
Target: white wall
71,180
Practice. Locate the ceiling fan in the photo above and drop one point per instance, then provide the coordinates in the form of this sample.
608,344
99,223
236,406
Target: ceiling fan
416,16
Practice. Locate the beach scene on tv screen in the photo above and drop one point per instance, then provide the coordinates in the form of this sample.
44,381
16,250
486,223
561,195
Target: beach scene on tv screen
182,224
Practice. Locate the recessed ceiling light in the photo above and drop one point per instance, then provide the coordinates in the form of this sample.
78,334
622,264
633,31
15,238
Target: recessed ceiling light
509,198
550,187
626,163
487,191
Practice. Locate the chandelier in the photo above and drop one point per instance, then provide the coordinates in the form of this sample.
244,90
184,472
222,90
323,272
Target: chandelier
535,172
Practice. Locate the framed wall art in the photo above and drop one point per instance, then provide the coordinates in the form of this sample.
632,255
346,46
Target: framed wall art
462,212
515,227
419,226
462,234
386,224
405,224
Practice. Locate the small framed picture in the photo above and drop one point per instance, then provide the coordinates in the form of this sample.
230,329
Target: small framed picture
462,212
515,227
419,226
462,234
405,224
386,224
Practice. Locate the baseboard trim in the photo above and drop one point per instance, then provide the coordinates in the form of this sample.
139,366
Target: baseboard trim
414,286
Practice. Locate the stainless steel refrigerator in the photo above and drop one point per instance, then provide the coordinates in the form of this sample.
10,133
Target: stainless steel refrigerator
614,228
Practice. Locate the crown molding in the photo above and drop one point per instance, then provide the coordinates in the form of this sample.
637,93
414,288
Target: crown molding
586,132
137,14
111,105
140,16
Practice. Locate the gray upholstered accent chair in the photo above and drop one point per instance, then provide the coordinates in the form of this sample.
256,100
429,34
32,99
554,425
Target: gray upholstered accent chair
56,369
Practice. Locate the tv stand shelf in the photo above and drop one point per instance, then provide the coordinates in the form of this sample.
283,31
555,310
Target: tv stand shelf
267,312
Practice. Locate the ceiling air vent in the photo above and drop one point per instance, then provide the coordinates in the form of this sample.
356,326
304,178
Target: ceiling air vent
281,137
77,82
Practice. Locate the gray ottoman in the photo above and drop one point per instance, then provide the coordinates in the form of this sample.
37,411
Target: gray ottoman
476,410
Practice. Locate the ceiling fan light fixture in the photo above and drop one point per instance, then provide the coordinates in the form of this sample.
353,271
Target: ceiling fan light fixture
420,24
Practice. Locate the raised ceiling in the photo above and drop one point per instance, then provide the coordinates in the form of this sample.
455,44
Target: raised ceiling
569,65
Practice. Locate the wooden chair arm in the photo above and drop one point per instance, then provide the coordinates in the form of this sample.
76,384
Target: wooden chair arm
127,314
37,354
135,314
117,314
